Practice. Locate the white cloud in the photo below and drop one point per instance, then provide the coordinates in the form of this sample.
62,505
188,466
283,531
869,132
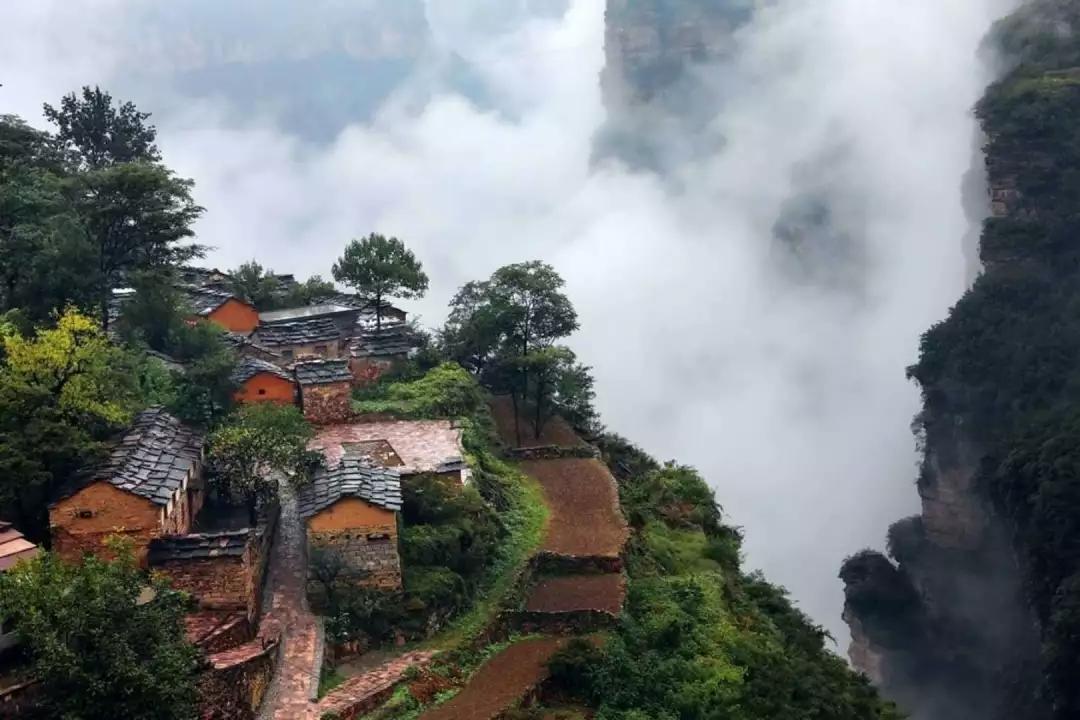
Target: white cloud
791,398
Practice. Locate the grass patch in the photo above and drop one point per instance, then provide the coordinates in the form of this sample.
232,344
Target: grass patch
329,679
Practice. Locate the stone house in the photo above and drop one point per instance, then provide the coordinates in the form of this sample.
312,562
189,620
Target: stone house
414,447
262,381
351,512
222,308
150,485
373,352
325,390
315,337
13,548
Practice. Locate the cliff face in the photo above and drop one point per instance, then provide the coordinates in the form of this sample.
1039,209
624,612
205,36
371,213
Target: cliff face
663,77
976,614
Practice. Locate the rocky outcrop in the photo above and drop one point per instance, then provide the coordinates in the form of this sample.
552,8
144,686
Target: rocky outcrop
975,615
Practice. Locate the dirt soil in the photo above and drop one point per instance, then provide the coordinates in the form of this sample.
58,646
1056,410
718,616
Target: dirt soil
585,519
556,430
571,593
500,682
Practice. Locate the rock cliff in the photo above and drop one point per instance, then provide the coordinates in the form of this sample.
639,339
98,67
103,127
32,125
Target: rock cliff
976,613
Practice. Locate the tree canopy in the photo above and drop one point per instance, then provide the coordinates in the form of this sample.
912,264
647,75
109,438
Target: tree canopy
104,642
97,133
378,268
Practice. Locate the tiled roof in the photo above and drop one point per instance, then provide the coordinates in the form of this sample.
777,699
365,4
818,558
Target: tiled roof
322,372
198,546
249,367
393,339
422,445
303,332
153,457
14,547
274,317
365,305
247,346
354,476
205,300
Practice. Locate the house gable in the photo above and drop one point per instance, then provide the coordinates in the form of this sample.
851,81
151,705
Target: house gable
353,513
81,522
235,316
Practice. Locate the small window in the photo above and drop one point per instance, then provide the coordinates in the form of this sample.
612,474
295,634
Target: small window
262,391
85,514
287,354
320,350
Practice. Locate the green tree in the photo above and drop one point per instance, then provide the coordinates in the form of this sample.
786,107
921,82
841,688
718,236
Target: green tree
505,328
61,392
256,284
97,133
255,445
136,217
379,267
100,648
204,392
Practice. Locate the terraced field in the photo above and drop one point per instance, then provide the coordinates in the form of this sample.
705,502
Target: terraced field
575,593
585,517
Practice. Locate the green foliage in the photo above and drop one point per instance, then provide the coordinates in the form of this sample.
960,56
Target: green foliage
379,267
97,134
62,391
99,648
446,391
698,639
255,445
267,291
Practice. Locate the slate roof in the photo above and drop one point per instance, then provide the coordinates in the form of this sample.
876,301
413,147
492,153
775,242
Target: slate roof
205,300
198,546
249,367
13,546
322,372
274,317
355,476
303,332
247,346
152,458
393,339
358,302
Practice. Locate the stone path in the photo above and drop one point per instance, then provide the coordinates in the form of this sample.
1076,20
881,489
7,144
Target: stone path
286,613
361,693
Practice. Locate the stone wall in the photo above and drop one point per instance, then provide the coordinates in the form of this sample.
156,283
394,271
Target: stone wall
234,684
327,404
369,369
216,583
368,556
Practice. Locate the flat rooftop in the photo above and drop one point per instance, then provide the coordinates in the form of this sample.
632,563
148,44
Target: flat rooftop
421,445
301,313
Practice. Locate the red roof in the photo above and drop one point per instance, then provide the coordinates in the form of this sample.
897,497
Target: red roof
14,547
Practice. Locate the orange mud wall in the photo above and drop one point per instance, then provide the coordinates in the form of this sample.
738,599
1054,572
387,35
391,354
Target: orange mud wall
235,316
266,387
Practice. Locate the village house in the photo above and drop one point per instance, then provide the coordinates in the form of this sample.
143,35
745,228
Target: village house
413,447
343,316
261,381
150,485
222,308
374,352
325,390
13,548
351,509
313,337
246,346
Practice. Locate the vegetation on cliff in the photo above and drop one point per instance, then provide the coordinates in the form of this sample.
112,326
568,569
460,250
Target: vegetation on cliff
1001,394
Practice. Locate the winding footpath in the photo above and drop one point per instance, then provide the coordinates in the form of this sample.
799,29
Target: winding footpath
287,615
582,546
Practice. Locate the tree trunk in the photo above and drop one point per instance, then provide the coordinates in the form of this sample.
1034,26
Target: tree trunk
378,312
517,417
537,422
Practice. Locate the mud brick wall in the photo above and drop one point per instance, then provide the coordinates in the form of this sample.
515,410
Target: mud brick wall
233,686
327,404
80,524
